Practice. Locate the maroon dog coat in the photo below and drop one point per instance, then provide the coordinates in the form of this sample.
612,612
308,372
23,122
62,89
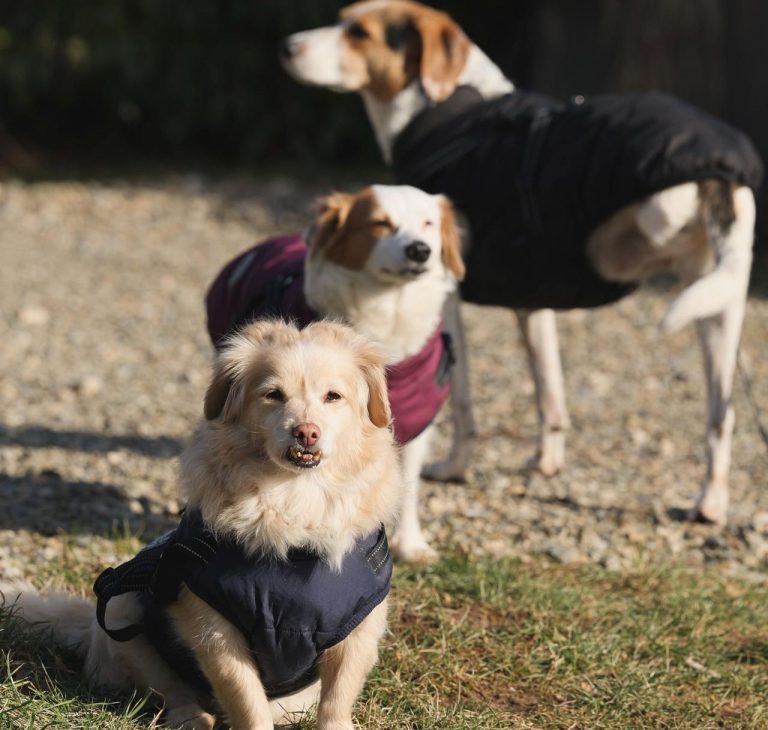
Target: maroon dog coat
268,281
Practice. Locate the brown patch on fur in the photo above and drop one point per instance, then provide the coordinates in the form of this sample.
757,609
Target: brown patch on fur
620,251
370,361
449,231
348,228
399,41
717,203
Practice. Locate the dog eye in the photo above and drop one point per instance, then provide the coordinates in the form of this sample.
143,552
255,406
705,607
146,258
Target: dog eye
357,31
331,396
382,223
276,395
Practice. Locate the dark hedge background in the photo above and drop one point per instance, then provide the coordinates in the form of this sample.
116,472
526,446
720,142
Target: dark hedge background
178,80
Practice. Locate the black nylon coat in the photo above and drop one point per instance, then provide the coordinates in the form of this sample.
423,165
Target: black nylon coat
535,177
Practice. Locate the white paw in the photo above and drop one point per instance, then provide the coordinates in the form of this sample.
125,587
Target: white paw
414,551
711,505
550,459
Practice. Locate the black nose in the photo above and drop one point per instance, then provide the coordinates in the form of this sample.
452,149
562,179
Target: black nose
418,251
290,47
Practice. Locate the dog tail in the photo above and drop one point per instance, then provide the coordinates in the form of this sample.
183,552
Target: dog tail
68,618
729,219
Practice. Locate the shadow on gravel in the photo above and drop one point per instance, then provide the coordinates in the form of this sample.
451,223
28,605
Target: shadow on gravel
39,437
49,505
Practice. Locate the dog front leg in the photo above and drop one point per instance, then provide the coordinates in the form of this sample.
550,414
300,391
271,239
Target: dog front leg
409,543
539,331
226,661
454,467
719,338
344,667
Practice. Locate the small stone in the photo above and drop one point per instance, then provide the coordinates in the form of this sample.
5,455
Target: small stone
666,448
89,386
562,553
760,522
34,316
713,542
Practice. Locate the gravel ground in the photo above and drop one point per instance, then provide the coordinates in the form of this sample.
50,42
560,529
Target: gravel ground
105,360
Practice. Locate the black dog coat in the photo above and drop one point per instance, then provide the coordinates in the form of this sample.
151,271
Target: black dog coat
289,611
535,177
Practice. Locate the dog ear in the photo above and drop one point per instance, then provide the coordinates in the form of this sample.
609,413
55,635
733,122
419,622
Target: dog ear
226,394
371,363
222,396
333,212
451,235
444,51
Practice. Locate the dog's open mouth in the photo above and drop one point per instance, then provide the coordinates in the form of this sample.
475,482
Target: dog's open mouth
302,457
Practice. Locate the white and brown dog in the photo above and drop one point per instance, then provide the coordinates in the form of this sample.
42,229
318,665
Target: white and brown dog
568,205
382,260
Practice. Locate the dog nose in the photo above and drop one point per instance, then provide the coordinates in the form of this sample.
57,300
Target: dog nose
418,251
306,434
290,47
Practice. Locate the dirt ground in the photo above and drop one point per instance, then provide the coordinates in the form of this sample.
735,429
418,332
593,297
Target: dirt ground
105,358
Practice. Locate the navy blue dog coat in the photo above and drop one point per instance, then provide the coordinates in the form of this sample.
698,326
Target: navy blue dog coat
289,611
535,177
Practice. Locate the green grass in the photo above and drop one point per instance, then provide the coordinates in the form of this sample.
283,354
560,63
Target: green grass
499,645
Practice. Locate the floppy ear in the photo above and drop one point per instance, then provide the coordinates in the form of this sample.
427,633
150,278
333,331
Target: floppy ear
444,51
222,395
334,209
372,365
226,394
449,231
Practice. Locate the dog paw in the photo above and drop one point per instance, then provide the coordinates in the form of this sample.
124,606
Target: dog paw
445,471
189,717
711,506
419,552
550,458
546,464
331,724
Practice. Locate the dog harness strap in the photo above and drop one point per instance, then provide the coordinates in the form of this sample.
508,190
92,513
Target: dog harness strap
157,570
133,576
378,555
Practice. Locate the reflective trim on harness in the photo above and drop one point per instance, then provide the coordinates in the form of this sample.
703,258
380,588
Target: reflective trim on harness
157,570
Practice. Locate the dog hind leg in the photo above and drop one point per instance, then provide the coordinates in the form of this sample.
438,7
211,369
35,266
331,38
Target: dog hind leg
719,336
539,331
454,468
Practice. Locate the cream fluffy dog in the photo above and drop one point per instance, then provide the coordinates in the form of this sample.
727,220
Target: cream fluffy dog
292,471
